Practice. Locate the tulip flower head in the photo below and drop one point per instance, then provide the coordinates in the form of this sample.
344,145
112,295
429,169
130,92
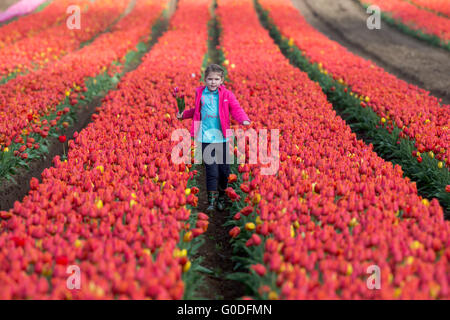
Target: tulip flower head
181,104
63,139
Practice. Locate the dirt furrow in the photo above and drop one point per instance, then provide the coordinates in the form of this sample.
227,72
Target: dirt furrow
5,4
216,252
407,58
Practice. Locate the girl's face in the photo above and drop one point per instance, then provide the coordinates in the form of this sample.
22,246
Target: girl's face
213,81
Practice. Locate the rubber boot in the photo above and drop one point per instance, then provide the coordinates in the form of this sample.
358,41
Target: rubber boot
212,201
222,202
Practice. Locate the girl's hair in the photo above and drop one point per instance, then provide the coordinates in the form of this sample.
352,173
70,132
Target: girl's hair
214,68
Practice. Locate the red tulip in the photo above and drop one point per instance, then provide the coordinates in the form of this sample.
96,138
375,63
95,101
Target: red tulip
34,183
256,239
245,188
194,190
235,232
202,216
246,210
198,231
192,200
232,194
19,242
275,262
203,224
259,269
62,260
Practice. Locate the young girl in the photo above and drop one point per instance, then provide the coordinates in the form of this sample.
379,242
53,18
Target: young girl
213,105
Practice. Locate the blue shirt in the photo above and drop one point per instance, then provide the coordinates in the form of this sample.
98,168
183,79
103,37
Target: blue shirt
211,128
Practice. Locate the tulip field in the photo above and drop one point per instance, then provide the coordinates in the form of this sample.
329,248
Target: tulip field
410,17
439,6
37,51
417,124
51,15
115,206
47,95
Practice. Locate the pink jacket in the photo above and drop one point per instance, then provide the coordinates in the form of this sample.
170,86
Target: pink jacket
227,104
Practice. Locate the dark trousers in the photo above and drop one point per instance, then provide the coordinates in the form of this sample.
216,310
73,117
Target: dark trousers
217,172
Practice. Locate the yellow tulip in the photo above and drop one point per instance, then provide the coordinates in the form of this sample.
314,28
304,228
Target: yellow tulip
353,222
256,198
434,290
99,204
349,269
273,295
187,236
187,266
415,245
250,226
78,243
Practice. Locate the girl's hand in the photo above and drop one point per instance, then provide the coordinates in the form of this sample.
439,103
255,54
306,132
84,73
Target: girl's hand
246,123
180,115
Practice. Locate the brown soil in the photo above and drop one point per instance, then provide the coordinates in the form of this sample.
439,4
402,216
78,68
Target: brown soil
5,4
216,252
409,59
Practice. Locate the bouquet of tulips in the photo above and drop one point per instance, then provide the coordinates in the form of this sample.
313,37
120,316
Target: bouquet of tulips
180,99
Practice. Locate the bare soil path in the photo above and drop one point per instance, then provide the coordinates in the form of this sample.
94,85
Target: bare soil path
216,252
407,58
5,4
